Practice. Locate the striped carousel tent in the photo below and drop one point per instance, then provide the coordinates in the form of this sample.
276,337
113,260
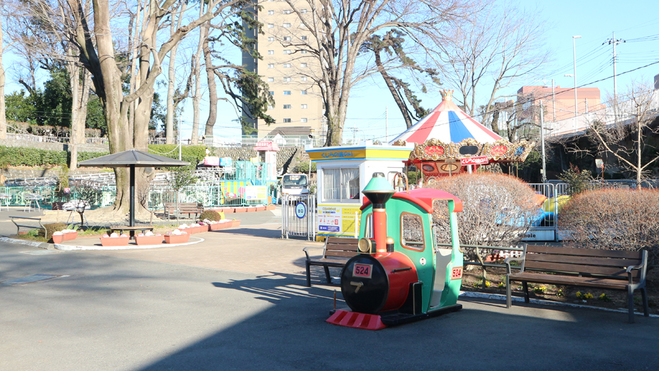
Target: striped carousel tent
448,124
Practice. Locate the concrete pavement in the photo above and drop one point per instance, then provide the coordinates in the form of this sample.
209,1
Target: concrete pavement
237,301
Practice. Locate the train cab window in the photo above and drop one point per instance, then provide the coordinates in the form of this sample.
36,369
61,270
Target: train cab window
411,231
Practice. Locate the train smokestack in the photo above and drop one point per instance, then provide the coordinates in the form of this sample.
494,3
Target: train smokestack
379,191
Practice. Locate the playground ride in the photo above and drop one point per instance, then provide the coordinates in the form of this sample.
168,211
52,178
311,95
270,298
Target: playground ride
400,275
448,141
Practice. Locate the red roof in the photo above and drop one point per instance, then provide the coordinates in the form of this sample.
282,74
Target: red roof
266,146
424,197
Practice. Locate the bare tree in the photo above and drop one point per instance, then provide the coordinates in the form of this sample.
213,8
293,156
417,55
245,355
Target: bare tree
3,118
95,40
339,29
625,139
502,46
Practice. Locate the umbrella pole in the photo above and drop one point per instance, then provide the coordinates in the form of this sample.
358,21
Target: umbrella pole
132,196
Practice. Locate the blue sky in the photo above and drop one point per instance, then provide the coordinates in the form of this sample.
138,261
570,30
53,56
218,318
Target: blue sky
634,21
595,21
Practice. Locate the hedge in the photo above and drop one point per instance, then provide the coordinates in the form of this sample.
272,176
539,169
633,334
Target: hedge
26,156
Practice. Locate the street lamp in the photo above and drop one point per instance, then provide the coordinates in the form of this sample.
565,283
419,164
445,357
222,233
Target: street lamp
574,56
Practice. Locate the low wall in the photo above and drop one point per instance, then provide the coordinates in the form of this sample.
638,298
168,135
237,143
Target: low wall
86,147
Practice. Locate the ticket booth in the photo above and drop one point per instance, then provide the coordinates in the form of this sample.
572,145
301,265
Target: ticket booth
343,172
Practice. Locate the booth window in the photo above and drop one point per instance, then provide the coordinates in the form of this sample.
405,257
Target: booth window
411,231
340,184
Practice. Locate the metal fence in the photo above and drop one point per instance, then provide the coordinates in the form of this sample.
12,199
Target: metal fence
298,215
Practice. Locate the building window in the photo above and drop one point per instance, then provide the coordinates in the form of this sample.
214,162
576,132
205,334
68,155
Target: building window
287,120
304,38
287,106
341,184
303,11
303,120
303,78
270,106
271,79
287,38
271,25
271,65
271,52
287,11
287,92
303,52
303,65
303,92
304,106
287,51
272,92
287,65
271,39
271,12
287,79
287,25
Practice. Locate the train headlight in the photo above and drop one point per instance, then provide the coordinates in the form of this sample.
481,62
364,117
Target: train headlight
364,245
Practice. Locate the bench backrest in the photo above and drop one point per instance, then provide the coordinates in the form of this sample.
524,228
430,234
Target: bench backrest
340,247
610,263
184,205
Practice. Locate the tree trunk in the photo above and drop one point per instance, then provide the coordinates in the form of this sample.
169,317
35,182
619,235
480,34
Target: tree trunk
3,118
196,75
212,86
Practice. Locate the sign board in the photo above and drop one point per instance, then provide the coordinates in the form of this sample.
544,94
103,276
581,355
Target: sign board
301,210
338,220
256,193
480,160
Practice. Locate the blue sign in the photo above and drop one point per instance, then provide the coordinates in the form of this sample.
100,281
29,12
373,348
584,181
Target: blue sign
301,210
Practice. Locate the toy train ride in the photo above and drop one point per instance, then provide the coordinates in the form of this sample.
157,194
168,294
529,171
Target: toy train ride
407,277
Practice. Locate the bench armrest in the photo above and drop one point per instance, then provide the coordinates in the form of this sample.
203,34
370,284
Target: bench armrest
642,267
508,260
306,251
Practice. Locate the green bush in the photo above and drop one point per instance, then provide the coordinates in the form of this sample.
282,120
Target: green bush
191,154
578,180
26,156
52,228
211,215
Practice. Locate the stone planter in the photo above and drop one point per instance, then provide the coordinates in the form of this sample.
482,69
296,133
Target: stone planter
181,238
270,207
148,240
70,236
240,210
260,208
219,226
58,238
235,223
114,241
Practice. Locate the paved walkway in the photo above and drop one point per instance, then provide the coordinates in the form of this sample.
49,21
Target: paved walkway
237,301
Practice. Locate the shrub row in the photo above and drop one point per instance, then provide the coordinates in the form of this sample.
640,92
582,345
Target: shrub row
617,219
26,156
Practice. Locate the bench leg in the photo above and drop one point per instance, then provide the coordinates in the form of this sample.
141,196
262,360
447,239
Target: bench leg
630,303
508,299
327,274
646,308
308,275
526,292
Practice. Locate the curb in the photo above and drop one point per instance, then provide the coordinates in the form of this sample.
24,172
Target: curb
480,295
41,245
125,247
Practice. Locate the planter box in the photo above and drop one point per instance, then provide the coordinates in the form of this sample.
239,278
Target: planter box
148,240
114,241
70,236
260,208
58,238
240,210
270,207
218,226
181,238
235,223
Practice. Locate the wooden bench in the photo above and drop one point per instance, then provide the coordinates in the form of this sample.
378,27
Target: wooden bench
336,253
171,208
606,269
31,226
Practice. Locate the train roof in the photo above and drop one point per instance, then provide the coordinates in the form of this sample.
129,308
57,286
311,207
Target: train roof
424,197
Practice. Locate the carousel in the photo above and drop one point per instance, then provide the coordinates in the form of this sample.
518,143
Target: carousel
447,141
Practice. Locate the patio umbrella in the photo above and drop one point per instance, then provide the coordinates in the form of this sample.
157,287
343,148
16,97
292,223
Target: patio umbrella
132,159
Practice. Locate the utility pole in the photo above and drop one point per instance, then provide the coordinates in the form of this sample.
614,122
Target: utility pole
542,140
553,100
386,124
574,56
613,41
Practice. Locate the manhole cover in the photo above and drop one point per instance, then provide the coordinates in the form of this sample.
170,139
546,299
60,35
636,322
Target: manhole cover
33,278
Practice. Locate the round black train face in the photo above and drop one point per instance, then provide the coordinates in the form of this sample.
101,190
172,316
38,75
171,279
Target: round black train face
364,284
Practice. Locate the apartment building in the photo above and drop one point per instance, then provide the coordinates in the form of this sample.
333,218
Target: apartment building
559,102
289,69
